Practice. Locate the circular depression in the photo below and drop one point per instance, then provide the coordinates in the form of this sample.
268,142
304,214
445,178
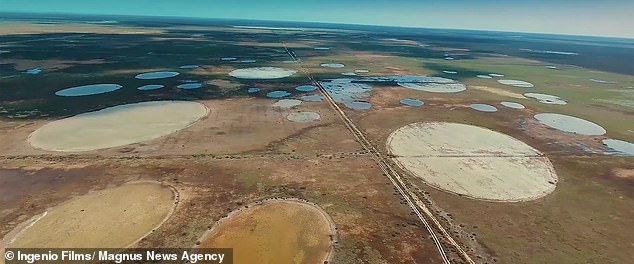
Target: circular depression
278,231
435,87
513,105
472,161
303,117
570,124
333,65
547,98
262,73
117,126
483,108
156,75
111,218
89,89
150,87
516,83
411,102
287,103
619,147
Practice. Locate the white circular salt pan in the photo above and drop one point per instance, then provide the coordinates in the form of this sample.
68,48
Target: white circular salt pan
619,147
89,89
482,76
287,103
517,83
496,75
332,65
484,108
117,126
156,75
303,117
472,161
547,98
262,73
150,87
570,124
435,87
513,105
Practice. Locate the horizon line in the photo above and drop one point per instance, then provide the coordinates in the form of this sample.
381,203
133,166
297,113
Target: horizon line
319,22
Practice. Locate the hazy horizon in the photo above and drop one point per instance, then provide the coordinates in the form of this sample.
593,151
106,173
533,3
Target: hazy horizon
586,18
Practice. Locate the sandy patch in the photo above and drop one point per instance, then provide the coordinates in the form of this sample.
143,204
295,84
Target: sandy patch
224,85
36,28
49,65
111,218
287,103
623,173
117,126
279,231
472,161
303,117
498,91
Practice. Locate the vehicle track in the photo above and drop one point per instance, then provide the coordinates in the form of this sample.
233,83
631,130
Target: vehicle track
413,201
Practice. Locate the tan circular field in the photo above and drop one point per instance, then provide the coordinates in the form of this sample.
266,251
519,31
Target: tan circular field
117,126
111,218
472,161
280,231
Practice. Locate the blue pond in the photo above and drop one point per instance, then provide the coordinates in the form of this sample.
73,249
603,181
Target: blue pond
248,61
348,93
150,87
156,75
88,89
306,88
33,71
188,66
312,98
358,105
190,86
412,102
228,59
253,90
278,94
484,108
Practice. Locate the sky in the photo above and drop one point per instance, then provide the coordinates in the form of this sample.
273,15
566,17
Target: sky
613,18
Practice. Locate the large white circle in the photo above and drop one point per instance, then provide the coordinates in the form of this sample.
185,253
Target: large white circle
117,126
262,73
472,161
